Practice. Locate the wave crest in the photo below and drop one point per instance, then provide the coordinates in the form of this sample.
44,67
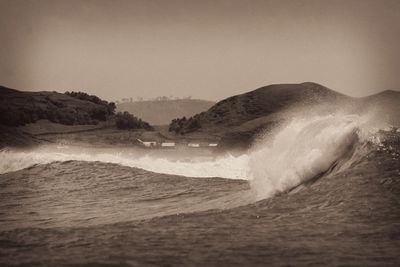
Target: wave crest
302,150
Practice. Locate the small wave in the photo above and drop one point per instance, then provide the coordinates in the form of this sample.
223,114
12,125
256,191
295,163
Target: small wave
226,167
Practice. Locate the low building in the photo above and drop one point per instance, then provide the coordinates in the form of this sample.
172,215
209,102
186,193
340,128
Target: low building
168,144
193,145
212,145
147,143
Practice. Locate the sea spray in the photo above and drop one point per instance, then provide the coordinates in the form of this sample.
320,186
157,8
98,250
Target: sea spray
301,150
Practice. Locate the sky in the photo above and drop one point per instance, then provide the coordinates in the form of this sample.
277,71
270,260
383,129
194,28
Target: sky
204,49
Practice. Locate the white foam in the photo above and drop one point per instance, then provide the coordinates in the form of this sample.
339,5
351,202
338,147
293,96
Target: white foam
301,150
225,167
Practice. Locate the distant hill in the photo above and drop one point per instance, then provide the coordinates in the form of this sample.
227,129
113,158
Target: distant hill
161,112
385,106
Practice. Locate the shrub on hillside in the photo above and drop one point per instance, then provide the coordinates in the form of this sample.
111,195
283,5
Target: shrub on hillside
125,121
183,125
109,106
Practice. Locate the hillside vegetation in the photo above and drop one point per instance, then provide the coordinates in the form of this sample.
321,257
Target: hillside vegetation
239,109
71,108
19,108
161,112
125,120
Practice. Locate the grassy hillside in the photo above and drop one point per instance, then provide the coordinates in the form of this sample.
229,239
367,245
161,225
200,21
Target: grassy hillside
71,108
26,116
237,110
19,108
161,112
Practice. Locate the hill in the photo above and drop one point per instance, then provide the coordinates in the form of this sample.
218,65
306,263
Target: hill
385,106
71,108
25,116
19,108
161,112
237,110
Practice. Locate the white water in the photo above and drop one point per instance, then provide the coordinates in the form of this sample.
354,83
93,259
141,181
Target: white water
226,167
303,149
293,154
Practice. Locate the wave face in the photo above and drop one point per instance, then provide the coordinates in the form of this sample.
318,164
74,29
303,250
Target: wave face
85,194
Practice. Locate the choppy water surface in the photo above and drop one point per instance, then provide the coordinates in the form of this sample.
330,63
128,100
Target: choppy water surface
321,191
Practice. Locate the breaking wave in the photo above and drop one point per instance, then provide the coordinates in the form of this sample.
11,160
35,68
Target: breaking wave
293,154
306,149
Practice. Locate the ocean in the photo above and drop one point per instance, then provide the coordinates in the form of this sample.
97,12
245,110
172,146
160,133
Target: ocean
315,191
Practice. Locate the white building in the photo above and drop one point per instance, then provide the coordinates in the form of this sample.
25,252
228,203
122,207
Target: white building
148,143
213,145
168,144
193,145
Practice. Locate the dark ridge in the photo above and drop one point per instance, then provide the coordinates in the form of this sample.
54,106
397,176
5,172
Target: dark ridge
236,110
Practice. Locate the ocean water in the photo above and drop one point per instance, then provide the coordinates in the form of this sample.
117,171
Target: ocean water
315,191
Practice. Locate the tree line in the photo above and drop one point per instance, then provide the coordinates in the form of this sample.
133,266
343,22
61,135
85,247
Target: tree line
184,125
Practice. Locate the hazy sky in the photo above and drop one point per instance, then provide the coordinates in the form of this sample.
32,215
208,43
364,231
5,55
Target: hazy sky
206,49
